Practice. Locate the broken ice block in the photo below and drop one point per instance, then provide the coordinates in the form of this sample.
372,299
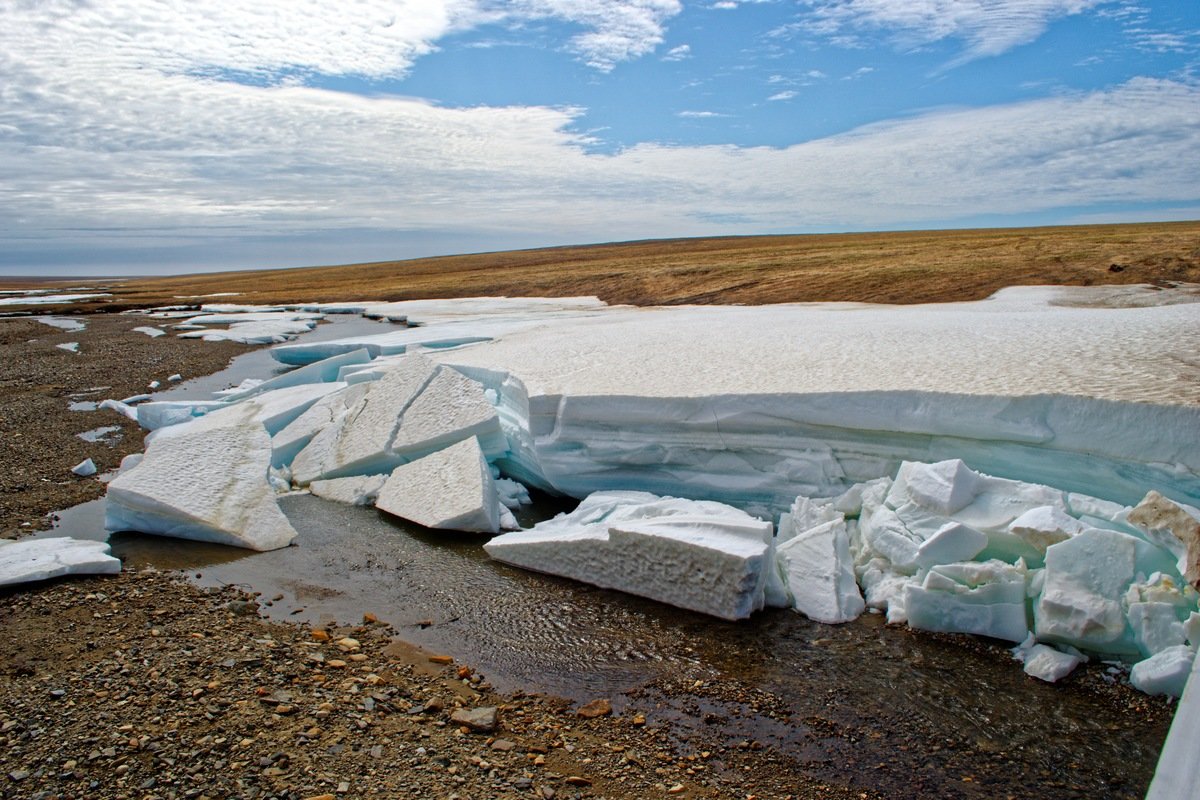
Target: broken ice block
450,489
951,543
699,555
943,487
819,571
984,598
1045,525
41,559
207,480
1165,672
1085,579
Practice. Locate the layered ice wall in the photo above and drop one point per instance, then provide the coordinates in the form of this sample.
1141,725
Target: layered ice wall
755,405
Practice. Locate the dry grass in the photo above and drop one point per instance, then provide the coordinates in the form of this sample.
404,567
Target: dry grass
907,267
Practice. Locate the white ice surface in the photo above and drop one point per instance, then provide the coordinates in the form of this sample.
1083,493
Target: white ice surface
207,480
258,332
987,599
84,468
150,331
39,559
698,555
1044,662
451,489
1085,580
70,347
48,299
754,405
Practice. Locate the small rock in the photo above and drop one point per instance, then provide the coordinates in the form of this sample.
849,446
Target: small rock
577,780
348,645
676,789
480,720
441,660
18,774
242,606
503,745
319,635
596,708
369,618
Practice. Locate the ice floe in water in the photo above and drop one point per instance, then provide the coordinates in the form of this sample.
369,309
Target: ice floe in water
980,468
40,559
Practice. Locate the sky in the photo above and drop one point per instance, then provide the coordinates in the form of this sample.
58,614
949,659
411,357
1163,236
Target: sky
167,136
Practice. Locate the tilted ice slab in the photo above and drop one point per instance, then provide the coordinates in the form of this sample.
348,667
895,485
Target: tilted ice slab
754,405
40,559
204,480
264,332
450,489
698,555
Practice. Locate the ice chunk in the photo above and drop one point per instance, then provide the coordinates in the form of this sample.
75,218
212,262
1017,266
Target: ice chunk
820,573
886,535
163,413
1085,579
41,559
449,489
699,555
71,347
951,543
943,487
174,378
1044,526
807,513
1165,672
84,468
152,332
450,408
984,598
62,323
360,444
883,589
1156,627
512,494
1174,527
206,481
1048,664
360,490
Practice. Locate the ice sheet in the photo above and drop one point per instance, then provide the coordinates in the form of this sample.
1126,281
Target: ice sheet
40,559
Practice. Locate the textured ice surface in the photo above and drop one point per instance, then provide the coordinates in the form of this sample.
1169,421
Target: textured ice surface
40,559
699,555
326,412
450,489
207,480
327,371
359,442
150,331
264,332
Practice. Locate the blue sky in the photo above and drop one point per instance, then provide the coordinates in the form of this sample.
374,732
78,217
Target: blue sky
155,137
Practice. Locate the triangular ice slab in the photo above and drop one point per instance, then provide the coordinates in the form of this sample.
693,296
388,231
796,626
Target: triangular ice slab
40,559
450,489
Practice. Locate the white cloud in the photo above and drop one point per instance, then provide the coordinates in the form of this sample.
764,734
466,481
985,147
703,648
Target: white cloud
619,30
136,138
784,95
680,53
987,27
700,114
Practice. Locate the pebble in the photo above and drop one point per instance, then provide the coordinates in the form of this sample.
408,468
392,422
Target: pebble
596,708
479,720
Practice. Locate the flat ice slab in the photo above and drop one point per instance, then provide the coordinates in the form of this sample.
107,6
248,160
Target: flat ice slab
698,555
205,480
40,559
451,489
